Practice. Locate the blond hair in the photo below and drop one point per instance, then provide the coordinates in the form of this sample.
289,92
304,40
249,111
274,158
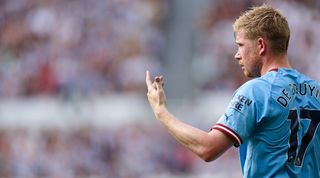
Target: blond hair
267,22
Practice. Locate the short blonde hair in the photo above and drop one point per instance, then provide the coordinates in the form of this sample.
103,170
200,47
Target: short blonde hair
267,22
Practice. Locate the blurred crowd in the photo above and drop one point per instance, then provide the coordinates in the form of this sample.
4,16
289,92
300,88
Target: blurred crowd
57,47
132,151
214,66
83,47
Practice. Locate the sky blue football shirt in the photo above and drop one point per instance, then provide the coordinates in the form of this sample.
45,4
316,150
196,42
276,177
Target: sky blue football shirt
275,121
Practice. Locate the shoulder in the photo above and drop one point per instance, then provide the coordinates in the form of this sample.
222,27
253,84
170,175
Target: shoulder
257,87
253,94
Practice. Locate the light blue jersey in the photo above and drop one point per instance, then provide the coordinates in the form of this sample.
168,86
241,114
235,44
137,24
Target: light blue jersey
275,121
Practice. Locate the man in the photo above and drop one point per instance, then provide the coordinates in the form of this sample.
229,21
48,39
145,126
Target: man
274,118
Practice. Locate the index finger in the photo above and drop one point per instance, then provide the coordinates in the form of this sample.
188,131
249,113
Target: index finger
148,80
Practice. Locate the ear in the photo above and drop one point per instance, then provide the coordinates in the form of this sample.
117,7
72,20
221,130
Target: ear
262,46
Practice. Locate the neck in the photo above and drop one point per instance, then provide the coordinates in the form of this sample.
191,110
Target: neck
275,62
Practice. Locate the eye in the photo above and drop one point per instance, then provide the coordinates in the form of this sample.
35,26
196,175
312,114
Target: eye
239,44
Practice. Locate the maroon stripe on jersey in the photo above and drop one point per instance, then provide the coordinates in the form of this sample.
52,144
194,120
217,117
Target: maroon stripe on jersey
274,69
226,130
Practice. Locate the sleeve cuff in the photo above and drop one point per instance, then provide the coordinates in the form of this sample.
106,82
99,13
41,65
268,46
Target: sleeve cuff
226,130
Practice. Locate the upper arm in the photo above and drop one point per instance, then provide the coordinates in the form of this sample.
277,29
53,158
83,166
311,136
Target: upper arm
244,113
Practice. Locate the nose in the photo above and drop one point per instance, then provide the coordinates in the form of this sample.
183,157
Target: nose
237,55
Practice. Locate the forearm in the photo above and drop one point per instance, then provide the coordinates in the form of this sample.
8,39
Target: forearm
207,146
192,138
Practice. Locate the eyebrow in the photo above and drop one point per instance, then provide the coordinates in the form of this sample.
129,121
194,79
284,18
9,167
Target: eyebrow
238,43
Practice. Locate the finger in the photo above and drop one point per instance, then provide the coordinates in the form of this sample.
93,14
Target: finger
161,79
154,85
148,81
159,82
157,79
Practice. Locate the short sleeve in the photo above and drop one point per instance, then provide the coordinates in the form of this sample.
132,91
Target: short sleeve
244,111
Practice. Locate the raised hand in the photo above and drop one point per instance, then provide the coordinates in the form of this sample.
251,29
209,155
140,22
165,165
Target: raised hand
156,95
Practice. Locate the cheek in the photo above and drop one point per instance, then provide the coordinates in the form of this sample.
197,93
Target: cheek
245,56
245,53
